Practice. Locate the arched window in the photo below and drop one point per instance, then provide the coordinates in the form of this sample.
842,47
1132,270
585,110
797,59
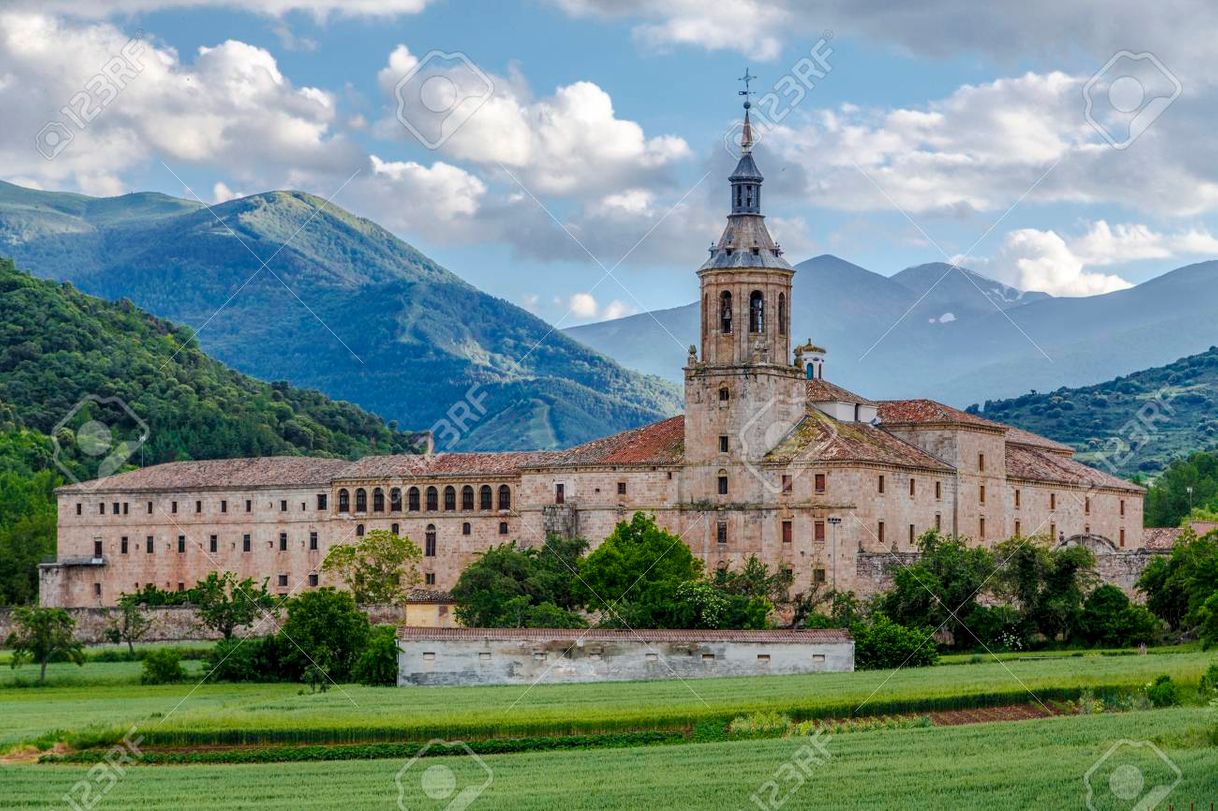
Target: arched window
395,500
344,501
782,313
433,499
378,500
484,498
725,312
725,394
361,500
429,541
756,312
723,482
359,530
505,497
412,499
450,498
467,498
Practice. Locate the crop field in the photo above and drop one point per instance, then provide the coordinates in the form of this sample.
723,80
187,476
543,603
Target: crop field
1015,765
245,713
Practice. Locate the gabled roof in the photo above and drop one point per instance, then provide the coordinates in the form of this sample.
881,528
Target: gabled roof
820,438
1022,437
930,412
660,443
822,391
267,471
1161,537
444,464
1033,464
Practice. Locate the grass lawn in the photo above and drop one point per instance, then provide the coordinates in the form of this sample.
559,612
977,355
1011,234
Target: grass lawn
421,713
1018,765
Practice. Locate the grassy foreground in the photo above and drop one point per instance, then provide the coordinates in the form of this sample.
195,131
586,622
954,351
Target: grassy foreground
265,712
1018,765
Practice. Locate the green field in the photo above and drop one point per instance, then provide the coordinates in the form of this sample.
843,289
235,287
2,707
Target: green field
269,712
1020,765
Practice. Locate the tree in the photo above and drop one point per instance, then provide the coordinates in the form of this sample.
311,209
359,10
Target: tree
131,625
511,587
880,643
1183,589
379,568
42,634
1047,585
224,603
378,663
632,578
325,631
942,588
1110,619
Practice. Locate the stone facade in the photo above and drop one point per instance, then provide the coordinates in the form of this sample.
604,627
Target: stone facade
466,656
770,459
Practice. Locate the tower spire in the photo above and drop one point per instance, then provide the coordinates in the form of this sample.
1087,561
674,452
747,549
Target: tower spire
746,132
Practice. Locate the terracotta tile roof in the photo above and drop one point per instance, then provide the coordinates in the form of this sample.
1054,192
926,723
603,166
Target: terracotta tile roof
820,438
444,464
929,412
428,596
1033,464
1161,537
822,391
661,443
811,636
267,471
1022,437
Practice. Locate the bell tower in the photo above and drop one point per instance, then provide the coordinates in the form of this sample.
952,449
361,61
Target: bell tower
742,392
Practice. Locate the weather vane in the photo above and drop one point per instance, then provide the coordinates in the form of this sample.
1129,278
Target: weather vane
746,78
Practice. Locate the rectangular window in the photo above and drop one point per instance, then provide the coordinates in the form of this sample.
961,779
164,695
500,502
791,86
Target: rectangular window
78,508
101,508
1087,505
114,508
198,506
912,486
97,549
283,581
721,532
213,544
148,544
981,461
283,505
818,575
723,485
938,489
313,580
223,505
723,444
818,532
97,589
819,482
466,528
150,508
560,493
181,544
708,657
981,529
1053,531
621,488
181,586
786,483
1053,501
429,579
763,658
313,541
1017,498
786,531
911,534
938,522
1018,529
283,542
125,506
1122,508
245,543
173,508
880,531
249,506
322,499
881,483
503,528
122,545
1122,536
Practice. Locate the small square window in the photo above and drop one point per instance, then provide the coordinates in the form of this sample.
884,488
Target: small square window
484,656
763,658
313,580
708,657
819,658
429,656
539,656
283,581
503,528
651,657
429,579
818,575
466,528
621,488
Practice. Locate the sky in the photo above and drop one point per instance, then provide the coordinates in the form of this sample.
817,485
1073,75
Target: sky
571,156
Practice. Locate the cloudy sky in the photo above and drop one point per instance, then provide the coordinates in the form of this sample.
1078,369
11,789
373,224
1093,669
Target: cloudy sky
571,155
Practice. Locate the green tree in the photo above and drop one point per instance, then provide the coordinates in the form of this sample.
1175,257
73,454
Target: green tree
1110,619
130,624
324,630
224,604
942,588
880,643
1047,585
377,665
42,634
632,578
379,568
1181,590
512,587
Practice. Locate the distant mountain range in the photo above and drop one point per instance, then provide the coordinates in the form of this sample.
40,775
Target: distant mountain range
1135,424
342,305
951,334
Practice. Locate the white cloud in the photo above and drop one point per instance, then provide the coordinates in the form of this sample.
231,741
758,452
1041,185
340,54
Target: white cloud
583,305
221,193
617,309
320,9
1032,259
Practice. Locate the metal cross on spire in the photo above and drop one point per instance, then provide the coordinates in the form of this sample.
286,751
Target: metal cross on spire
746,78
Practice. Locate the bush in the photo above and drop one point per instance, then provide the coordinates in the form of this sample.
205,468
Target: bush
325,631
257,659
999,628
1209,682
162,666
1109,619
378,664
1163,693
881,643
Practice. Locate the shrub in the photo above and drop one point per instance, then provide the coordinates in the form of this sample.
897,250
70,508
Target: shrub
881,643
258,659
999,628
1209,681
1162,693
378,664
162,666
325,631
1111,620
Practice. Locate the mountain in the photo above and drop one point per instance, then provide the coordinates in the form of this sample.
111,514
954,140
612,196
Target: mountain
1133,424
959,337
64,355
342,305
